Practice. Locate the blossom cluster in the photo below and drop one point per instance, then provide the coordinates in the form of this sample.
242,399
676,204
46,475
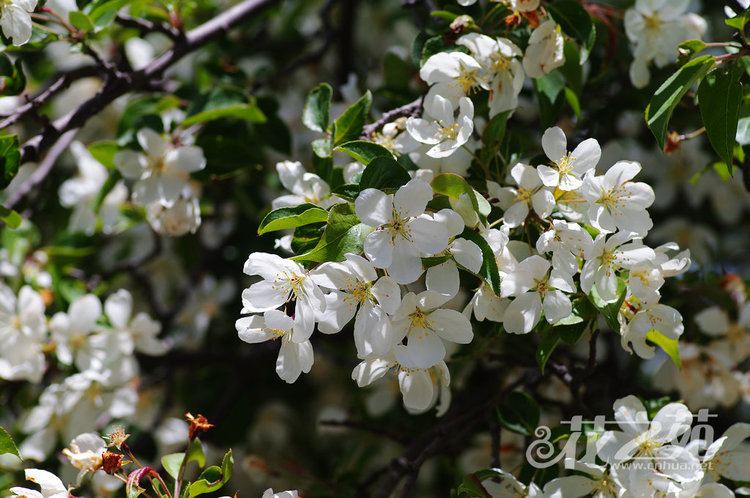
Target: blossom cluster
94,345
662,456
561,233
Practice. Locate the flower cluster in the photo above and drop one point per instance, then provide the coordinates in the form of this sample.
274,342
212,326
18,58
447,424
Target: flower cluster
711,374
655,28
95,347
645,458
161,172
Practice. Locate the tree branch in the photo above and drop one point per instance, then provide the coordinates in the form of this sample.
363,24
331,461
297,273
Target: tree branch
145,26
410,109
120,84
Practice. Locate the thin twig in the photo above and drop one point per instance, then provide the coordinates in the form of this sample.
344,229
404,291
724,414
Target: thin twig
411,109
44,168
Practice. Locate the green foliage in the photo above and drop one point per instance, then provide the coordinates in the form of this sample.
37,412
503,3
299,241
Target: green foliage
225,106
10,159
667,344
719,98
343,233
349,125
172,463
292,217
12,77
610,310
669,94
318,108
488,271
7,445
519,413
384,173
364,151
213,477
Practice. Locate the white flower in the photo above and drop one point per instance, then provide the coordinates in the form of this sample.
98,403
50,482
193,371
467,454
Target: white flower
726,457
616,201
402,231
592,480
452,75
608,255
421,388
440,127
23,329
486,305
294,357
715,323
545,50
73,330
650,441
304,187
50,485
568,168
425,325
510,487
356,285
177,219
283,279
659,317
530,192
538,287
162,170
85,451
499,59
567,242
135,333
655,28
524,5
281,494
15,19
81,191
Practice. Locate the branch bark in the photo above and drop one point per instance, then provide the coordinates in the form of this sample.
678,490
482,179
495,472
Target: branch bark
411,109
120,84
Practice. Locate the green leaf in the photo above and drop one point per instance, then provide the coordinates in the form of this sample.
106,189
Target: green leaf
572,99
248,112
669,94
519,413
104,151
10,217
549,342
80,21
349,125
453,186
103,12
573,19
494,132
610,310
12,77
739,21
719,99
348,191
172,463
343,233
213,478
669,345
384,173
7,445
364,151
488,272
195,453
10,159
318,108
688,48
292,217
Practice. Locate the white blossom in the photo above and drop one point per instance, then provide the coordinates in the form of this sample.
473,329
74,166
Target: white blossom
529,193
440,127
15,20
545,50
567,168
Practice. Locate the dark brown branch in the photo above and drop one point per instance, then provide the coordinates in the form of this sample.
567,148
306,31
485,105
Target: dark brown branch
364,426
145,26
44,168
120,84
411,109
60,83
